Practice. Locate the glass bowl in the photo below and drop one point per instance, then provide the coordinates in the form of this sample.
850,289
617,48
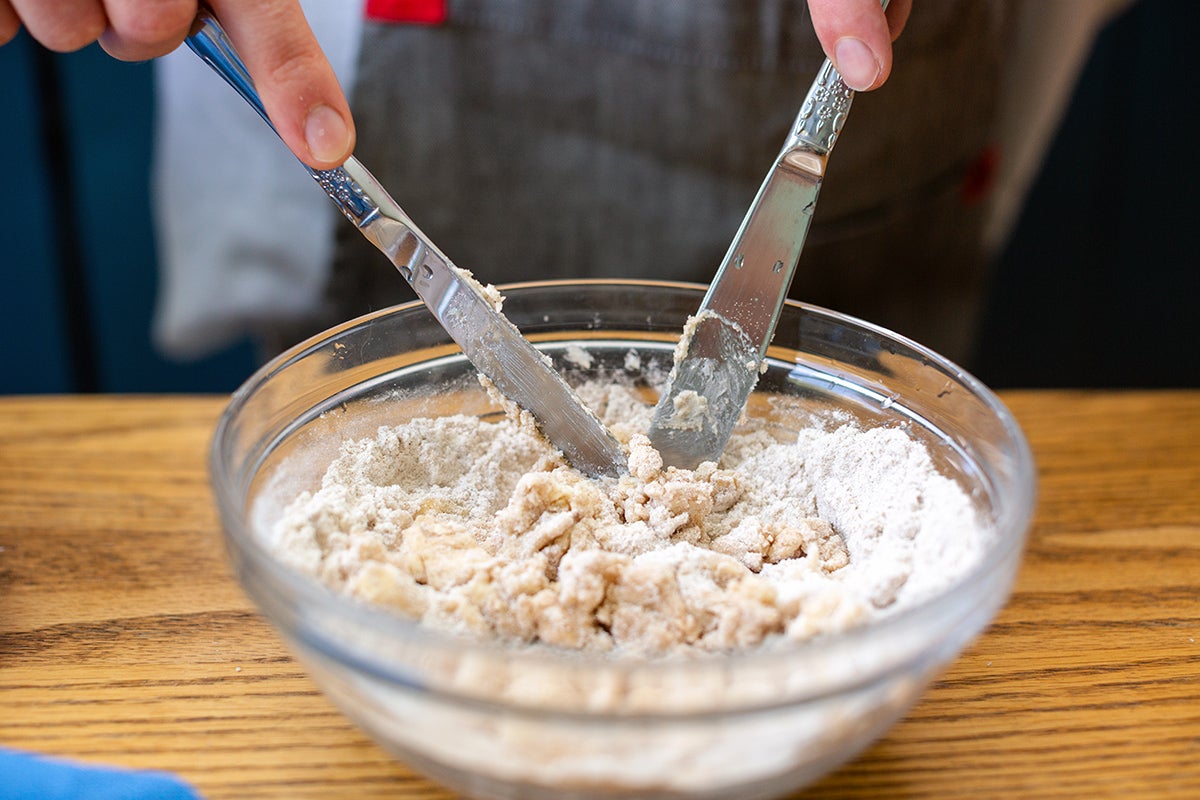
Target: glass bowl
497,722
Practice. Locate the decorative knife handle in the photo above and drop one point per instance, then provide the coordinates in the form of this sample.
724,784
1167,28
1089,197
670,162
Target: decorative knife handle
823,112
209,41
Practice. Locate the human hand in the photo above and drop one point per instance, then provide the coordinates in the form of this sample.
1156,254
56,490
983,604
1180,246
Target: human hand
857,37
295,80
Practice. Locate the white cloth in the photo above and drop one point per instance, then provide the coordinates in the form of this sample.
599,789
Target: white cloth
245,237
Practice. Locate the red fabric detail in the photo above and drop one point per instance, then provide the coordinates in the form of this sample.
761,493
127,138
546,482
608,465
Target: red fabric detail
417,12
981,176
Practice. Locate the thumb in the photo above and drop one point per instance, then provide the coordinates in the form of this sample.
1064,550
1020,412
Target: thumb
294,78
856,37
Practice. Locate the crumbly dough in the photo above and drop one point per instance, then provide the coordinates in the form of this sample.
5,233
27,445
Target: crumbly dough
689,411
480,528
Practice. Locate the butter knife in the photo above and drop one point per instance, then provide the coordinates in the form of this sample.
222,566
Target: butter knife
493,344
719,355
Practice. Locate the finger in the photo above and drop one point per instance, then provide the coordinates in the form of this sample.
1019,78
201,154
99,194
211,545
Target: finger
295,80
10,23
64,25
897,17
856,37
139,30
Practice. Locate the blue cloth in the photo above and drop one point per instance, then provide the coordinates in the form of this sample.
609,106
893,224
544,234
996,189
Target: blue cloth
26,776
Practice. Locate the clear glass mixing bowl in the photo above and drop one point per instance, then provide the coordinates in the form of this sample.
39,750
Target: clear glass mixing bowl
499,723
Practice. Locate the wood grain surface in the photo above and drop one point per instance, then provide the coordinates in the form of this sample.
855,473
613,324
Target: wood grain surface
124,639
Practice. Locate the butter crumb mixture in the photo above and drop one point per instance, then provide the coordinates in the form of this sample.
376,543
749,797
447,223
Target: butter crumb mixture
481,529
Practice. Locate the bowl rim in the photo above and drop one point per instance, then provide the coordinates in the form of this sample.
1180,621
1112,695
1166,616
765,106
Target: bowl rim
1011,524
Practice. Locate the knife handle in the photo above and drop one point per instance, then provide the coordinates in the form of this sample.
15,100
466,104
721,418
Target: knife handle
822,113
209,41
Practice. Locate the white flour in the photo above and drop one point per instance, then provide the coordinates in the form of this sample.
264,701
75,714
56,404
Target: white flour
480,529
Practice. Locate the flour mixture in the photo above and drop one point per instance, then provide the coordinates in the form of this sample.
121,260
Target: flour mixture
481,529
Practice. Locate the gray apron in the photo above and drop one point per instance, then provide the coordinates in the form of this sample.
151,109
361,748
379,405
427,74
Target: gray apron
538,139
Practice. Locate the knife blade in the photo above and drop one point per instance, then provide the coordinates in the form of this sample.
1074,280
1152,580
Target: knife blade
721,351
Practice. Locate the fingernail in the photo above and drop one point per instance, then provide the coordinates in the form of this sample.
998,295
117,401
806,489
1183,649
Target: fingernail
326,134
856,63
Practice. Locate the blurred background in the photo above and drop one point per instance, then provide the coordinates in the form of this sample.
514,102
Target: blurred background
1095,288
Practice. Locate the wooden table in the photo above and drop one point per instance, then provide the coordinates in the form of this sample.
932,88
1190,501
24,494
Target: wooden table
124,639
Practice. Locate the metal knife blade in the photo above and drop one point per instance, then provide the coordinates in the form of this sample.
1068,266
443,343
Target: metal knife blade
719,356
489,340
